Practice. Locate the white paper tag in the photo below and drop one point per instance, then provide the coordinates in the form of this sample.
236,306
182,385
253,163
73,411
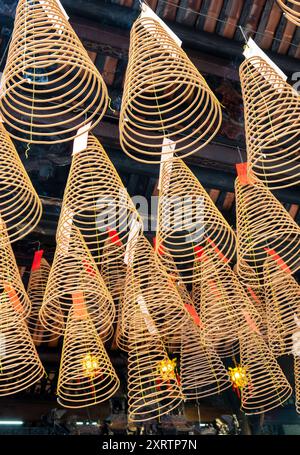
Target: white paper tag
296,343
135,227
62,9
2,346
168,149
56,22
147,12
147,318
81,139
253,50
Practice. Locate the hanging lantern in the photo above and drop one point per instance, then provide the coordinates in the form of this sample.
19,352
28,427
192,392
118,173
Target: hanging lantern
166,368
238,377
50,87
164,97
90,365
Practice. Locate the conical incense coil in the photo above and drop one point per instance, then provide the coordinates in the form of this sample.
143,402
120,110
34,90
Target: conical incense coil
264,229
267,387
113,270
96,200
20,206
272,111
164,97
291,9
201,369
225,308
36,289
74,278
86,375
153,384
50,87
283,306
10,281
297,382
20,366
150,289
189,222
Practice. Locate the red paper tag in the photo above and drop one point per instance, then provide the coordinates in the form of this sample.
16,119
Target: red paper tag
88,267
253,295
158,247
241,169
278,259
199,250
214,288
13,297
36,263
114,237
80,311
194,315
216,249
250,322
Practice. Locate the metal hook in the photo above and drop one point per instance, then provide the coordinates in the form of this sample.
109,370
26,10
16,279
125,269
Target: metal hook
243,33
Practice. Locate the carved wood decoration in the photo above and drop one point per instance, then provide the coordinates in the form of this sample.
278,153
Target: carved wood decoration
86,375
188,222
20,206
165,97
264,229
51,88
150,289
98,203
150,393
10,281
225,308
20,366
74,278
36,290
202,372
291,9
267,386
272,112
283,305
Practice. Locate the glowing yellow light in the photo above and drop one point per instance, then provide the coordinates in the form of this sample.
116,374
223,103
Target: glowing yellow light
90,365
166,369
238,376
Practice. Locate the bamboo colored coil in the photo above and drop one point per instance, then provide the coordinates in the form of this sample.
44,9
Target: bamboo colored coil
264,229
113,270
225,308
20,206
272,112
74,278
164,97
50,87
86,375
149,289
150,393
20,366
35,291
283,304
202,372
10,281
188,222
96,200
291,10
267,386
297,382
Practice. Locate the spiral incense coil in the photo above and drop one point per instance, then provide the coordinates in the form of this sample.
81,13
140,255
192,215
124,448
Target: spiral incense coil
20,366
267,387
297,382
113,270
188,221
153,388
264,229
149,289
10,281
74,278
36,290
51,88
225,308
98,203
201,369
283,304
272,111
86,375
20,207
291,10
164,97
